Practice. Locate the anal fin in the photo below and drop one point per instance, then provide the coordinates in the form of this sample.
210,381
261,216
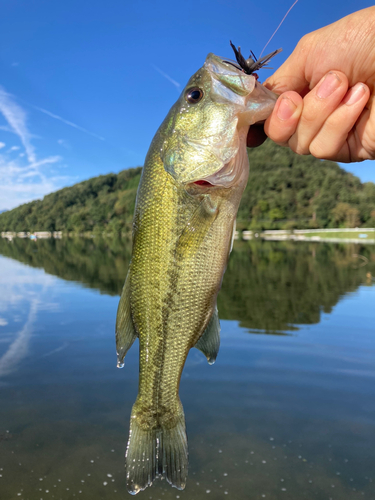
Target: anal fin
125,331
209,343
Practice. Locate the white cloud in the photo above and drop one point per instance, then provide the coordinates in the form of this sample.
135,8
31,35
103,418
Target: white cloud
24,178
16,118
20,184
63,143
2,145
6,129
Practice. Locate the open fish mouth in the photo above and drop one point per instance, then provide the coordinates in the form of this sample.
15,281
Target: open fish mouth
225,177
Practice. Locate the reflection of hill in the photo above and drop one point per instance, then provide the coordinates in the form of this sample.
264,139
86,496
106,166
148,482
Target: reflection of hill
100,264
268,285
274,285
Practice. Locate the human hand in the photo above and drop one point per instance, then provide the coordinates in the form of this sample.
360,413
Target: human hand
325,108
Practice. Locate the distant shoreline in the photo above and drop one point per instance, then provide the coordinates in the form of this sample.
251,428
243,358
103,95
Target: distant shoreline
333,235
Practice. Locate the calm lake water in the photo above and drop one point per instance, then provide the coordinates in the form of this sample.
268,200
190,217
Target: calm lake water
287,411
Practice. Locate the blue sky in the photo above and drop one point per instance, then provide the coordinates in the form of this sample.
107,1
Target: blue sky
85,85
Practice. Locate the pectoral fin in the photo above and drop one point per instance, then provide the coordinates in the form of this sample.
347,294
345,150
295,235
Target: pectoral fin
232,238
125,331
197,228
209,342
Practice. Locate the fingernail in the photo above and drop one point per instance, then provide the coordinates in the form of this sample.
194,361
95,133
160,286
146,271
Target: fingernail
286,108
355,94
330,83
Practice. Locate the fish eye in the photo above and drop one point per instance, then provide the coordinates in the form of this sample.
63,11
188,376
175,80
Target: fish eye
194,95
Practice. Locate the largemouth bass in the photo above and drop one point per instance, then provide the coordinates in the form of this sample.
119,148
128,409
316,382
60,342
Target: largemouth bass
194,175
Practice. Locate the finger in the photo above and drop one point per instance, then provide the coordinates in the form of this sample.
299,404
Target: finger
291,74
318,105
282,124
256,136
331,142
361,140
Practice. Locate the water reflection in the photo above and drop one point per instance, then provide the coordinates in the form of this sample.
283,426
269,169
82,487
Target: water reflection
268,286
276,417
23,293
272,286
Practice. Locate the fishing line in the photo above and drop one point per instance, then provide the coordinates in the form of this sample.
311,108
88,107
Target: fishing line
277,29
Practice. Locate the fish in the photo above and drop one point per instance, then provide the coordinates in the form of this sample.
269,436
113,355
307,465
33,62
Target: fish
191,185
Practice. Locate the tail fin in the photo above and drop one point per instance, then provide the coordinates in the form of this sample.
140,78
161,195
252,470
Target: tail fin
161,451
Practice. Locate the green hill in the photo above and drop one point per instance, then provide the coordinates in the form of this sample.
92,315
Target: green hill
284,190
101,203
303,191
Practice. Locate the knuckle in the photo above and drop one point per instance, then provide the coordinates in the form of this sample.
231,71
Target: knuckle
322,151
278,134
282,144
298,148
369,151
301,151
368,145
304,42
309,115
282,138
320,154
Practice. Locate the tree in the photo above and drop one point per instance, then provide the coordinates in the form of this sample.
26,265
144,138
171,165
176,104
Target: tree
345,214
276,214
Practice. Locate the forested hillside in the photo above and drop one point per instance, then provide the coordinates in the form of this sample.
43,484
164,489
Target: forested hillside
284,190
302,192
104,202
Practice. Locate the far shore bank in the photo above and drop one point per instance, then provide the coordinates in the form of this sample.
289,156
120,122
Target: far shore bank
331,235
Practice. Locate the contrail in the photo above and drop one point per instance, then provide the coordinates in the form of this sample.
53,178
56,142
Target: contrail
16,118
176,84
67,122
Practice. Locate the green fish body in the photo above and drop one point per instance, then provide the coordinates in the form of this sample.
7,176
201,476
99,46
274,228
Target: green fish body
191,186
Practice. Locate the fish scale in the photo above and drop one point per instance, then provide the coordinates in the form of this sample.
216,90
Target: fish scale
191,186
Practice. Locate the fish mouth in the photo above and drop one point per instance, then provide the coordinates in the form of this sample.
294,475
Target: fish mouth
231,172
225,177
